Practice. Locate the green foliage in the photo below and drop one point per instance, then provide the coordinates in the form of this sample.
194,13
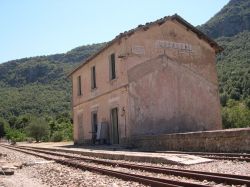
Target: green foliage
247,102
39,85
27,127
61,128
223,99
235,115
16,135
57,136
3,127
38,129
11,133
234,80
34,99
231,29
234,66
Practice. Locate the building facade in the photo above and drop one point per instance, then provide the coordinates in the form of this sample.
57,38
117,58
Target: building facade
158,78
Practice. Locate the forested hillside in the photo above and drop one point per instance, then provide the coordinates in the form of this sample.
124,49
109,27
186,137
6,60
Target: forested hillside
231,29
38,85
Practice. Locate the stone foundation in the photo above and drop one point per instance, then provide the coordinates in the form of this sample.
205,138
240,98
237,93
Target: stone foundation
232,140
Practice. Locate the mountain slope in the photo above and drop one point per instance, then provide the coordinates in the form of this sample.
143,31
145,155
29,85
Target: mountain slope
43,69
234,66
230,20
230,27
38,85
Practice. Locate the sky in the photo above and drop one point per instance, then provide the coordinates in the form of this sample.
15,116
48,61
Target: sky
42,27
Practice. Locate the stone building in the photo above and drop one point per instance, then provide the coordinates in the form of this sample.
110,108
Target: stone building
158,78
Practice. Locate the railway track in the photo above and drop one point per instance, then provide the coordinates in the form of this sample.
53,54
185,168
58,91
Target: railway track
80,162
217,156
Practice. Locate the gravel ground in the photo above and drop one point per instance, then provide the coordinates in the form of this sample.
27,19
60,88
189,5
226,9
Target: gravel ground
217,166
232,167
220,166
53,174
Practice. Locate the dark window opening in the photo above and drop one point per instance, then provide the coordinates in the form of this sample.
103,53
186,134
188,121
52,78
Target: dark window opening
112,66
93,77
79,85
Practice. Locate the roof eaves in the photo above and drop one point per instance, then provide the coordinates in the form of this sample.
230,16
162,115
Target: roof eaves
200,34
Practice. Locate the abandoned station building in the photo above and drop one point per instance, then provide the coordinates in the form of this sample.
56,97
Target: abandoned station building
158,78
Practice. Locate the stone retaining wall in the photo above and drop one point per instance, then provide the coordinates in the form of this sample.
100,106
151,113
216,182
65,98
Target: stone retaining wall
232,140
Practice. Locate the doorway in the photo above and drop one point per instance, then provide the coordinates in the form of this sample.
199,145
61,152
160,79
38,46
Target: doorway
114,126
94,123
80,128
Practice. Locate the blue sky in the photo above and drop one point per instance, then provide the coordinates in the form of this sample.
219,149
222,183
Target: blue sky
43,27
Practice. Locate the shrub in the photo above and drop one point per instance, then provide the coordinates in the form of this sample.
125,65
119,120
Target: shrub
30,140
15,135
68,132
38,129
3,126
57,136
235,115
223,99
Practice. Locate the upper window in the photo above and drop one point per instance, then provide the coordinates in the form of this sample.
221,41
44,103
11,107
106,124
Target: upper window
93,77
79,83
112,74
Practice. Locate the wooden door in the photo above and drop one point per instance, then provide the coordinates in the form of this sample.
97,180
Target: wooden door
80,128
94,126
114,126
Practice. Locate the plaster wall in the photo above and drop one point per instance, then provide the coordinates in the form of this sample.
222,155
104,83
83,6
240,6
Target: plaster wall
108,94
158,89
170,89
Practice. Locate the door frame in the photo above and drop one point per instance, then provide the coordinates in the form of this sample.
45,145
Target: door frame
80,130
112,138
94,126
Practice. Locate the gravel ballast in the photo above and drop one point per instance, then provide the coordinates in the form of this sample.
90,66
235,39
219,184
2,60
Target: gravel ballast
53,174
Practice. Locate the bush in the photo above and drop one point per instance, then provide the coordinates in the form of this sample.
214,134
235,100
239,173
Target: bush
15,135
57,136
235,94
247,102
68,132
223,99
30,140
38,129
61,128
3,126
235,115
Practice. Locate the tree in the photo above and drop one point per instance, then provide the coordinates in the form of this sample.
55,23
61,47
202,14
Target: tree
38,129
235,115
22,121
3,126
